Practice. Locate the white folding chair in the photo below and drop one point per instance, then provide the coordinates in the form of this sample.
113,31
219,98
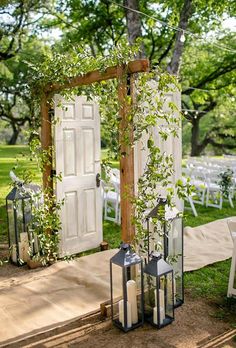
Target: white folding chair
198,180
111,201
214,196
190,199
232,276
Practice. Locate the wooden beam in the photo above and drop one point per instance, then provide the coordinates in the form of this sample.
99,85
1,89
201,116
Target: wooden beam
133,67
126,160
46,141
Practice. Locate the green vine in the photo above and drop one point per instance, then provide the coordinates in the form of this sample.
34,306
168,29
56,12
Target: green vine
226,182
147,113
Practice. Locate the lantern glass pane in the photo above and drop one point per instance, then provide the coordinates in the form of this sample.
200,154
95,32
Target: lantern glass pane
158,299
27,211
156,233
127,296
20,217
169,308
11,222
150,298
175,257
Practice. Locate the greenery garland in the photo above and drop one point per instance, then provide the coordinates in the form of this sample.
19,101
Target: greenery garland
144,115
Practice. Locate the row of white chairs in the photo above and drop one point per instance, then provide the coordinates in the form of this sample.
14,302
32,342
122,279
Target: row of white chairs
207,189
204,179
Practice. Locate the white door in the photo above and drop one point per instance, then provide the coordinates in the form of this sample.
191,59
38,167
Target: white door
77,148
173,145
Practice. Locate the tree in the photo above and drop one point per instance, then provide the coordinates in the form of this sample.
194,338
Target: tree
18,16
17,106
164,46
134,25
209,94
101,25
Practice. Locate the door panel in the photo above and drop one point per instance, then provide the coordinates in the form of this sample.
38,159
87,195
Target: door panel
77,143
88,156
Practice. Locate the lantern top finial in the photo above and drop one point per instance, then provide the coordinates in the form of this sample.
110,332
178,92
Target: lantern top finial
126,256
125,246
156,256
157,266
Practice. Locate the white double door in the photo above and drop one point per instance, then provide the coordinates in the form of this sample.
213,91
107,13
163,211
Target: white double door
77,156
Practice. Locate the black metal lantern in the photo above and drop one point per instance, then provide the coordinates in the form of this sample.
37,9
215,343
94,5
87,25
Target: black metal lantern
158,292
126,281
165,234
19,214
174,251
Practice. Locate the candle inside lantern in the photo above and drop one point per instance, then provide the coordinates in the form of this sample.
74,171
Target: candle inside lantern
132,299
13,253
121,314
161,297
24,247
36,243
169,290
155,315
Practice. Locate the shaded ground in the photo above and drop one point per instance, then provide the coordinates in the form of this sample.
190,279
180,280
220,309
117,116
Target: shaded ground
194,327
9,270
196,324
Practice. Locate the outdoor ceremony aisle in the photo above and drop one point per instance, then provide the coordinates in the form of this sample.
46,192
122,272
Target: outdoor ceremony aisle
51,297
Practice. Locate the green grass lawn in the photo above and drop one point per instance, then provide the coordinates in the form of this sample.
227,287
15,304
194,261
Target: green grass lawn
209,282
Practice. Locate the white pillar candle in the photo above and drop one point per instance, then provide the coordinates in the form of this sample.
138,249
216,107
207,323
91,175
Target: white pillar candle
36,243
121,314
132,299
161,296
155,316
169,289
24,246
21,251
13,253
24,237
175,293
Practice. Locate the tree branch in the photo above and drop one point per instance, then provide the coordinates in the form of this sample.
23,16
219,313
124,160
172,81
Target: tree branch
173,67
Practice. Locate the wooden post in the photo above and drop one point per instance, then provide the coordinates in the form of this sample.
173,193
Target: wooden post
46,141
127,159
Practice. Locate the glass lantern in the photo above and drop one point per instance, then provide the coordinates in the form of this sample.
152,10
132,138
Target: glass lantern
19,214
167,237
158,292
126,282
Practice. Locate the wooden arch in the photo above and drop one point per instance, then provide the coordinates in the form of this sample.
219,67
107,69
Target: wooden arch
125,77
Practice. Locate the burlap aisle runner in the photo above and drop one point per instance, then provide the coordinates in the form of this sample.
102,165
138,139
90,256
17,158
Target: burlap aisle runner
206,244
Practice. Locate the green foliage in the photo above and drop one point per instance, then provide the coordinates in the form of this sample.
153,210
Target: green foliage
58,67
46,224
212,121
226,182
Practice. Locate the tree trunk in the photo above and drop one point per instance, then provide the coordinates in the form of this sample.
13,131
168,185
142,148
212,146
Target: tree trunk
196,146
133,22
194,138
13,139
173,67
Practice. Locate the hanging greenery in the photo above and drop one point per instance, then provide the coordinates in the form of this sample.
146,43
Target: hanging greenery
146,116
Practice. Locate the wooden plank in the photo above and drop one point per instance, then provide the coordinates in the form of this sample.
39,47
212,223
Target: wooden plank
136,66
126,160
46,141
